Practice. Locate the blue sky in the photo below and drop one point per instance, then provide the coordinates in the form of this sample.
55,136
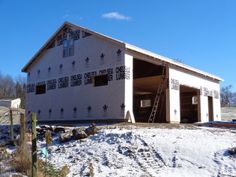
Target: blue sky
200,33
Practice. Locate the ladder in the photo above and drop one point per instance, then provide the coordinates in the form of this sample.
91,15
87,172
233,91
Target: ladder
157,99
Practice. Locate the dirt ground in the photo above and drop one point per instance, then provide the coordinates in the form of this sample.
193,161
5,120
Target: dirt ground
227,114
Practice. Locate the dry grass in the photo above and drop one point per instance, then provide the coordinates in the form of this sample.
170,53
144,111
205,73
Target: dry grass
22,160
65,170
91,169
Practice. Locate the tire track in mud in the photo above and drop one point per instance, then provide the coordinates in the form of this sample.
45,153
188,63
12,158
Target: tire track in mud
223,170
149,160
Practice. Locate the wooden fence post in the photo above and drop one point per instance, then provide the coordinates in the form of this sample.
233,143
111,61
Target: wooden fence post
11,126
22,129
34,145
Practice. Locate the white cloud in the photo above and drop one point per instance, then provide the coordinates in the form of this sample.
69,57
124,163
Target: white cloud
66,16
116,16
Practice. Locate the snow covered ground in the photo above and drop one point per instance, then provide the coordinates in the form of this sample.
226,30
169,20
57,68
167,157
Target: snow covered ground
132,151
228,113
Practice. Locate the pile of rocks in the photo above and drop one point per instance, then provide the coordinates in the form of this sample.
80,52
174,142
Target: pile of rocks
77,134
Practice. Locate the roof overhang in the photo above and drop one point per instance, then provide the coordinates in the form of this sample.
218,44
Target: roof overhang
168,61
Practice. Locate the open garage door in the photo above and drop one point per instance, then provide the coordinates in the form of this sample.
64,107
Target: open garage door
189,104
147,79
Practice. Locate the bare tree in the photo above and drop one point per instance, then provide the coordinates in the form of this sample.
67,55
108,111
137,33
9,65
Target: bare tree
226,96
6,87
12,88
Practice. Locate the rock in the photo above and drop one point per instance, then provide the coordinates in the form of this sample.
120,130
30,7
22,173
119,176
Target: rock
70,157
57,150
91,130
59,129
46,127
79,134
232,151
64,137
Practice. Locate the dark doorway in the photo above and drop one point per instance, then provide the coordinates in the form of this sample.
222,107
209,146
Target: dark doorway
210,108
189,104
147,79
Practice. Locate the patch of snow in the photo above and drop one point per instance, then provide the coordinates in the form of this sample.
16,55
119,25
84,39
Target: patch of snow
135,151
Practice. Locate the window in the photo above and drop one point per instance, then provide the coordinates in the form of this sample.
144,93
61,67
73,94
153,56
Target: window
40,89
145,103
101,80
68,48
194,100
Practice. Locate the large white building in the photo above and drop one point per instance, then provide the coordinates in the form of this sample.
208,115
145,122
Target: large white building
81,75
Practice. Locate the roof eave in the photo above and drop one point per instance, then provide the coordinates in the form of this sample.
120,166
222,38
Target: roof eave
171,61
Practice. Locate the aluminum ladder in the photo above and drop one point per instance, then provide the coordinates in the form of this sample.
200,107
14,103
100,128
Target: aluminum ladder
156,102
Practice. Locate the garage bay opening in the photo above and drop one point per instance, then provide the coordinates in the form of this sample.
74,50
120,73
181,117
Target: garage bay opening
189,104
149,92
